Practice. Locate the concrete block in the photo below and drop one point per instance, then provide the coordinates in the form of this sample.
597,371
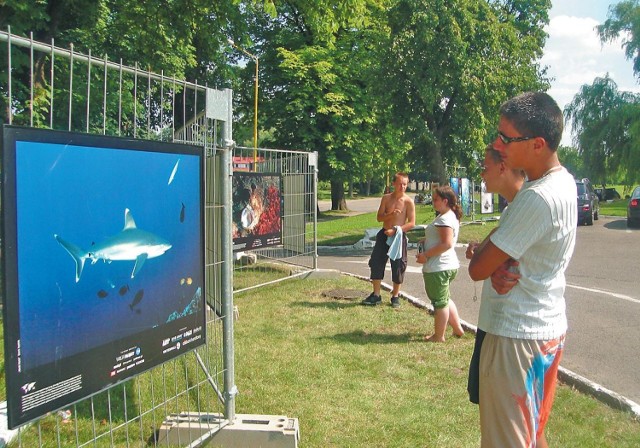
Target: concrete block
247,430
253,430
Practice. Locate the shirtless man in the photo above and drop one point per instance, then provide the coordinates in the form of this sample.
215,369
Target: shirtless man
397,215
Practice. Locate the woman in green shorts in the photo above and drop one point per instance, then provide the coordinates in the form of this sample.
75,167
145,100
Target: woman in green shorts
440,262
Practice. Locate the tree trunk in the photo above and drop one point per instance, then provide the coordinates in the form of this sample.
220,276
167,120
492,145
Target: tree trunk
435,163
338,202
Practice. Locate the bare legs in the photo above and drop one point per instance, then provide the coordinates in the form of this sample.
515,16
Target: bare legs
454,320
542,441
442,316
377,284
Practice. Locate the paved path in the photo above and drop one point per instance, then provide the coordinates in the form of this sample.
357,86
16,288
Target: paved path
364,205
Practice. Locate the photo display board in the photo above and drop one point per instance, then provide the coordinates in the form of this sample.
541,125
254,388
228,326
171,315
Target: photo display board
103,248
466,196
257,222
486,199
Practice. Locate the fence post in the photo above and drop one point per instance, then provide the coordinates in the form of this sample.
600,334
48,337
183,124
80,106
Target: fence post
315,210
230,389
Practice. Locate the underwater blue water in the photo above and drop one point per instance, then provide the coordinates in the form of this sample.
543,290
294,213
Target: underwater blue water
80,193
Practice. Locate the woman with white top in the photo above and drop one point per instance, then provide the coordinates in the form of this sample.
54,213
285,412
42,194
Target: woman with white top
440,262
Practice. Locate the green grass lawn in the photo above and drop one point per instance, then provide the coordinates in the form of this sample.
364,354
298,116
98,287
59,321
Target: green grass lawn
356,376
616,208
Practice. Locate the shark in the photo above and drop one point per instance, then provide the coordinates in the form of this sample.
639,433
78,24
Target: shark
130,244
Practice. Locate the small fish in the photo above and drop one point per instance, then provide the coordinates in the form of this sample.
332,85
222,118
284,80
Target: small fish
189,280
173,172
123,290
182,281
102,293
182,213
136,299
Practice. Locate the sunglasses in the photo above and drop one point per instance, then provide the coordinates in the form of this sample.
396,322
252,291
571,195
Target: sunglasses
506,140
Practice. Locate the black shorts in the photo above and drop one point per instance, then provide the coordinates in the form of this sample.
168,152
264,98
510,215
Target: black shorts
473,384
379,257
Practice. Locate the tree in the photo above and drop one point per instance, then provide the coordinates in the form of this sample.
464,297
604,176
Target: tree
450,64
571,160
317,88
604,129
362,88
182,38
362,82
624,22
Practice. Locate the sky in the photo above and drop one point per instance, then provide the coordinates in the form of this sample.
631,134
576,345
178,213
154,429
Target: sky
574,55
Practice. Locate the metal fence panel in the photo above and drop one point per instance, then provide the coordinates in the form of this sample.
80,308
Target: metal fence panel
42,85
297,255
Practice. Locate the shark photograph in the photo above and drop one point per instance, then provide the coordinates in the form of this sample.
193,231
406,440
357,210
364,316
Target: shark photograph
131,244
95,226
97,246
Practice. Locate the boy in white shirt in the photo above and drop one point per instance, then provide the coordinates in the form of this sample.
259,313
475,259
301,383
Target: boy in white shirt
527,321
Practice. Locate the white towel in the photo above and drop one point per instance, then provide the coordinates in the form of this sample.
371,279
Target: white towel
395,244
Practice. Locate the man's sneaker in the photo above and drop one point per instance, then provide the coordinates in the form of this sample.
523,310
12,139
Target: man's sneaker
372,300
395,302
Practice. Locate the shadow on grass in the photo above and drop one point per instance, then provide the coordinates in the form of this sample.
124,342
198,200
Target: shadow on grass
334,216
333,305
120,401
348,240
361,337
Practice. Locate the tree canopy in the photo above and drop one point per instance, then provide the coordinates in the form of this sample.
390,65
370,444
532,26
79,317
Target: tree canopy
605,130
448,66
604,120
372,85
623,22
405,85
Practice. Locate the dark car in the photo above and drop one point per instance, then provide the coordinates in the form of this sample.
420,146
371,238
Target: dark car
633,209
588,202
607,194
599,192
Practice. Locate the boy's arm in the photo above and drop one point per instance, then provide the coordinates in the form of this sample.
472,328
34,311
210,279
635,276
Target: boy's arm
382,209
411,217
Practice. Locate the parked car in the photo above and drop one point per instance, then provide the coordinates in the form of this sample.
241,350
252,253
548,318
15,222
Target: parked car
633,209
599,192
588,202
607,194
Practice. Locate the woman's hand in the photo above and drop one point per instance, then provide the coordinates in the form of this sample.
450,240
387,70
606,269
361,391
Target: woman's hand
471,248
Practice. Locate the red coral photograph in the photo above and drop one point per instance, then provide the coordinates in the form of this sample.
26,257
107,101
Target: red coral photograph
256,210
